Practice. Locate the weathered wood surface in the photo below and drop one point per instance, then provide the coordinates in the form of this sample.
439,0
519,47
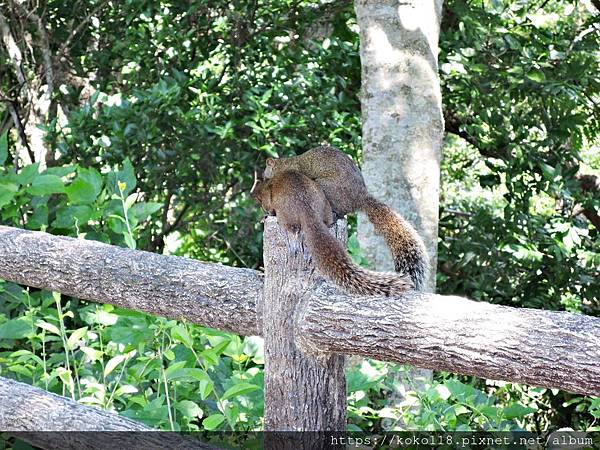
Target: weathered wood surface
542,348
303,392
208,294
42,419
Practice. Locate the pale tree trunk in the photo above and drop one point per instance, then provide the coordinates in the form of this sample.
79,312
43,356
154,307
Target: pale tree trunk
402,127
402,117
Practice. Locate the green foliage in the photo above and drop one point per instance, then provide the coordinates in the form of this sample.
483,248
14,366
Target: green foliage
166,374
198,103
190,98
444,404
73,200
519,84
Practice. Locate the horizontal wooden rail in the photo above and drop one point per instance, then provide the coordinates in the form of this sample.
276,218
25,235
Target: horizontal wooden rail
214,295
35,415
522,345
543,348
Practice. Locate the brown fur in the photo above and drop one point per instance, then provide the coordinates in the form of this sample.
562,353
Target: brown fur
344,187
300,204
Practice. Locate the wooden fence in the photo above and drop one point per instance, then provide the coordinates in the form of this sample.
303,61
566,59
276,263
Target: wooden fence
308,326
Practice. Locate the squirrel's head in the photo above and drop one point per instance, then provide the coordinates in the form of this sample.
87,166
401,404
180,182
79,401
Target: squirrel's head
260,192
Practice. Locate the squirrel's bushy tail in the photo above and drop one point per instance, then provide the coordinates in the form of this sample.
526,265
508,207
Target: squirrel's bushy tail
334,262
405,244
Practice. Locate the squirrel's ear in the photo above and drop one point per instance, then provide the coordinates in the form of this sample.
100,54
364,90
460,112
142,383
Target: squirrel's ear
270,162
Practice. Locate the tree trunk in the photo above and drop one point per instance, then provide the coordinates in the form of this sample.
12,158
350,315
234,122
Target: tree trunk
402,127
402,117
304,391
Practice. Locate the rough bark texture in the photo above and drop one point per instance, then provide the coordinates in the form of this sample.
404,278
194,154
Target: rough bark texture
542,348
402,117
303,392
32,414
208,294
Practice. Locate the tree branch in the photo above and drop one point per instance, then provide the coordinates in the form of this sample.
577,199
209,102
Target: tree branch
522,345
453,124
44,46
13,50
69,41
16,120
590,184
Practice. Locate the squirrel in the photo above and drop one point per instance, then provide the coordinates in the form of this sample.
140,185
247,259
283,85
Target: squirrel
344,187
300,204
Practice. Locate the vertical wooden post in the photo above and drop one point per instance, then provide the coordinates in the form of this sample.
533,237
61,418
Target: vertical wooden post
302,392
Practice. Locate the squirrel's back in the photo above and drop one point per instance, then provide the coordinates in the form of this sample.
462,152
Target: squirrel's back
344,187
337,175
300,204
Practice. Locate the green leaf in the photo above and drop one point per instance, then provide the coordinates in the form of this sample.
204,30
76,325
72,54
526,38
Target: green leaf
125,175
21,370
101,317
536,75
516,411
443,391
61,171
232,412
66,217
129,201
180,333
239,389
3,147
205,388
460,409
143,210
76,337
39,218
85,188
80,191
47,326
126,389
173,368
91,353
15,329
254,347
46,185
460,390
113,363
28,173
7,192
212,422
189,409
187,374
